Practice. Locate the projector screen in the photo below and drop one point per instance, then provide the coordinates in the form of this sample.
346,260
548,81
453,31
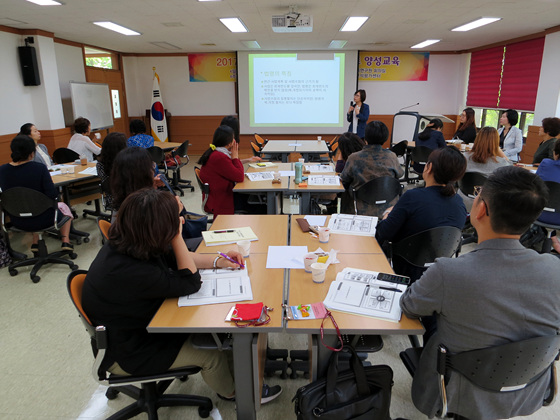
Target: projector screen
295,92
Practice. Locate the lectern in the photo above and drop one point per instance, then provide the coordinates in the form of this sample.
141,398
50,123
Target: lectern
407,125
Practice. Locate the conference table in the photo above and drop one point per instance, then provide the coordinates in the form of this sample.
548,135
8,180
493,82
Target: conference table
286,147
77,187
275,287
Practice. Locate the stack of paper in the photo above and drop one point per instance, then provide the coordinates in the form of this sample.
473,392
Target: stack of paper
228,236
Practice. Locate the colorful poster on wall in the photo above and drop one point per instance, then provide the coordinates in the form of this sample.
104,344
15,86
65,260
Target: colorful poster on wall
213,67
393,66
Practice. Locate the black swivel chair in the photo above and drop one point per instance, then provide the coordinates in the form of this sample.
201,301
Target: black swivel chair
399,148
150,396
158,156
64,155
181,158
501,368
552,207
419,158
377,192
28,203
205,190
466,186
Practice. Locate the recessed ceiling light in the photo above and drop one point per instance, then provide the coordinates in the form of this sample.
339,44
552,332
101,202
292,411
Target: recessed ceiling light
426,43
46,2
475,24
353,23
165,45
337,44
251,44
234,24
117,28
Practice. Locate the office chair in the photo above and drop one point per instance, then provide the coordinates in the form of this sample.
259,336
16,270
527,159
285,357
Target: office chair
27,203
552,207
377,192
260,141
64,155
419,158
466,186
205,190
501,368
158,156
176,182
256,149
103,226
150,396
399,148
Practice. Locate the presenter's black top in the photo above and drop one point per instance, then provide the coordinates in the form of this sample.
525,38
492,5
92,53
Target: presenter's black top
123,294
33,175
467,135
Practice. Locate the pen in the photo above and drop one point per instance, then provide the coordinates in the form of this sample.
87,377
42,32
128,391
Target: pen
224,231
231,259
391,289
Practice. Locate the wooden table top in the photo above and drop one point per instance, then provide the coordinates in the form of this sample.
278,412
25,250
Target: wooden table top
288,146
267,286
316,188
167,145
270,229
76,176
345,244
302,290
262,186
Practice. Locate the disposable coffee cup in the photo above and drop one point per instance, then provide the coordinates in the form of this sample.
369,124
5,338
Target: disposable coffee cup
244,248
319,138
70,169
308,260
83,160
463,147
318,271
301,160
324,234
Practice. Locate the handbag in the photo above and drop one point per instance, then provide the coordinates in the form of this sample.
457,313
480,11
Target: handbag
250,314
194,225
359,393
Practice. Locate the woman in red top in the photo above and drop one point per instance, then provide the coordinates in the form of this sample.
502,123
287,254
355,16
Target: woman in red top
221,169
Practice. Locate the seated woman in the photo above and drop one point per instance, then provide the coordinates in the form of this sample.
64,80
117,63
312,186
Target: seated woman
371,162
22,171
112,145
511,137
144,262
485,156
467,128
432,138
80,142
348,143
549,131
41,152
221,169
549,170
233,122
420,209
139,137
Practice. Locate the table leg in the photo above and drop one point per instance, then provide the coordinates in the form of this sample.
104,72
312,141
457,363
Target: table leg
243,372
271,207
285,157
304,202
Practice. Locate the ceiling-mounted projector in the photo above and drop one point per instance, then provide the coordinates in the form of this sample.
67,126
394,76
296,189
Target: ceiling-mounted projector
292,22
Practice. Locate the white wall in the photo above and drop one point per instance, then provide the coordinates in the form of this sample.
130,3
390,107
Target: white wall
180,96
548,94
70,69
444,92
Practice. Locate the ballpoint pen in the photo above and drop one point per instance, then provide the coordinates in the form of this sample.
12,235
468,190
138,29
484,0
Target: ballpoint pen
224,231
231,260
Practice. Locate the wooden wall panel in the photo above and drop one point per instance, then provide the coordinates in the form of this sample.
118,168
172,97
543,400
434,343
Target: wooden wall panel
531,144
53,139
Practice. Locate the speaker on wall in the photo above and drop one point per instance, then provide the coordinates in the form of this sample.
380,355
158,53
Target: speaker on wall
29,68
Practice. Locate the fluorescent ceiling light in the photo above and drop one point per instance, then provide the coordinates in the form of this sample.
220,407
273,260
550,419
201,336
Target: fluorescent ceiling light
426,43
353,23
234,24
46,2
117,28
165,45
476,24
251,44
337,44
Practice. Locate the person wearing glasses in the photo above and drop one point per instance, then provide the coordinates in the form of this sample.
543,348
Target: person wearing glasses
499,293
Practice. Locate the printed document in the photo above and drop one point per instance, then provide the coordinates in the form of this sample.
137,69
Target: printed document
353,225
228,236
220,286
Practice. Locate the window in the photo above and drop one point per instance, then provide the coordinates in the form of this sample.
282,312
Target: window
491,118
101,59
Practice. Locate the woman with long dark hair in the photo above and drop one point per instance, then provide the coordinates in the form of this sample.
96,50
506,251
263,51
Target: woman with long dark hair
221,169
467,128
432,137
232,122
348,143
112,145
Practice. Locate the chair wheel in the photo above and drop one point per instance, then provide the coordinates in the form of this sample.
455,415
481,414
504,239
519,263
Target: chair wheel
73,256
111,393
35,279
86,239
13,272
74,267
203,412
78,241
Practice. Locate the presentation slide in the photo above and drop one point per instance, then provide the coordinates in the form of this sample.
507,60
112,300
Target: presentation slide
295,92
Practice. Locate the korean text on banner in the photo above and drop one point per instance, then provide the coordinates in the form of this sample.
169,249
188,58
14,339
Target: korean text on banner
394,66
157,113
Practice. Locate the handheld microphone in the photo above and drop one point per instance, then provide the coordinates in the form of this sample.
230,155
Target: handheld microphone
410,106
352,103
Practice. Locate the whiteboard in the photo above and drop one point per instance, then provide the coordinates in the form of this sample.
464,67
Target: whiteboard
92,101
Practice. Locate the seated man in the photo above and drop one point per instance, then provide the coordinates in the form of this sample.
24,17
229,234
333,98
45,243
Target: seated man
499,293
369,163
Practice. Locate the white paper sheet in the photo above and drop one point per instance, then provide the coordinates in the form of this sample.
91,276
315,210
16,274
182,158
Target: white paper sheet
285,256
260,176
316,220
349,224
287,173
92,170
323,180
319,168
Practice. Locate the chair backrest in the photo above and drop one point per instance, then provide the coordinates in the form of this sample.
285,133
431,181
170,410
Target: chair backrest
420,154
422,249
378,191
75,285
260,141
103,226
399,149
256,149
204,187
64,155
182,150
156,153
471,180
553,204
26,202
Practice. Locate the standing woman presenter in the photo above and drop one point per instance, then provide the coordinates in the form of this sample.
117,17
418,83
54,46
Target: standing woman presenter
358,114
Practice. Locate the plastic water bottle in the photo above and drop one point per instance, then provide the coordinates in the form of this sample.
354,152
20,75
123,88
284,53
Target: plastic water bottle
299,172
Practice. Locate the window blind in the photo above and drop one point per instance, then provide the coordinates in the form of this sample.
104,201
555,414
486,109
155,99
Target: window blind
484,78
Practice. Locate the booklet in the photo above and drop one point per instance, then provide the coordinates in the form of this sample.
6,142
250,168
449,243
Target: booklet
260,176
350,224
367,293
228,236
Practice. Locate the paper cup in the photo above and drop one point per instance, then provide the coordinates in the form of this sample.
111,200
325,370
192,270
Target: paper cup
324,233
463,147
301,160
309,259
83,160
70,169
244,248
318,271
319,138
